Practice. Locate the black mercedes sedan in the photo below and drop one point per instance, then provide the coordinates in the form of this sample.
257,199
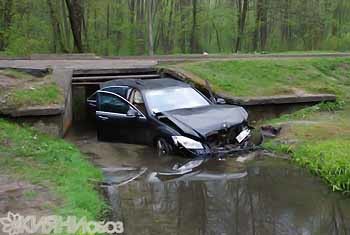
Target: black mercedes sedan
170,115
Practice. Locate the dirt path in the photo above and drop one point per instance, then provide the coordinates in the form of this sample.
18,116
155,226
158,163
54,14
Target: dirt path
24,198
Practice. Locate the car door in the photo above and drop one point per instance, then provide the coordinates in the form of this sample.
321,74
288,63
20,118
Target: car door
118,120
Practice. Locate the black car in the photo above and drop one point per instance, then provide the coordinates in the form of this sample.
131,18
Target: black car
170,115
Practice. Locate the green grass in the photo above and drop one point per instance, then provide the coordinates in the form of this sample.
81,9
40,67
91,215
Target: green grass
328,158
13,73
54,163
275,77
45,94
317,137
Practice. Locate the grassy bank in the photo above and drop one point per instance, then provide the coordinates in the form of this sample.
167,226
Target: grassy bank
55,164
19,90
274,77
317,137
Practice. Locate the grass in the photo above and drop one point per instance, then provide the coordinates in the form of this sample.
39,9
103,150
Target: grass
46,94
13,73
53,163
274,77
317,137
20,89
328,158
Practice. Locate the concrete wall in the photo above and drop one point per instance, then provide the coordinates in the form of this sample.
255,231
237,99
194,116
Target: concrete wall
63,77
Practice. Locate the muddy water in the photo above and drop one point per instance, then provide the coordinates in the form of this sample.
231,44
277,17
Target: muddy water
264,196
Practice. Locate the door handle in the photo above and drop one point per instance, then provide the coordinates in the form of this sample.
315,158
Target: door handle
103,117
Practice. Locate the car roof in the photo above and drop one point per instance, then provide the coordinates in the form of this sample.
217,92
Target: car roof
146,84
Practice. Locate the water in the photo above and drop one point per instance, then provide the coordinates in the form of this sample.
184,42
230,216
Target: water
265,196
273,198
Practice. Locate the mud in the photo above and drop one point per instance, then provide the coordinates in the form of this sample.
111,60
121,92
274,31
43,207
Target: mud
19,196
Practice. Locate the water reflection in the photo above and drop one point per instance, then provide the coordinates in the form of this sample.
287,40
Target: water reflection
274,198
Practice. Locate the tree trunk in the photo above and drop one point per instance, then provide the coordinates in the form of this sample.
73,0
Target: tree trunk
257,24
150,27
66,28
86,25
76,20
56,28
194,39
108,22
242,13
169,42
183,34
263,26
7,20
217,36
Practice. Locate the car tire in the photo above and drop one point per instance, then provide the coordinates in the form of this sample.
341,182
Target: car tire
163,148
100,136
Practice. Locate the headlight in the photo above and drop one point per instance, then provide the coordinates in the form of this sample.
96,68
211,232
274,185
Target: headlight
187,142
244,113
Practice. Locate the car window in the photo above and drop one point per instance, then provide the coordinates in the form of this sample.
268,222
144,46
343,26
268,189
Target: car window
119,90
112,103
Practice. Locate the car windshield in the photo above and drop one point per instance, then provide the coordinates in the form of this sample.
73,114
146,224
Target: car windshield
174,98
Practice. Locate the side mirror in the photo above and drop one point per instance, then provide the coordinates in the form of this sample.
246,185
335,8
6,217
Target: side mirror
220,101
132,113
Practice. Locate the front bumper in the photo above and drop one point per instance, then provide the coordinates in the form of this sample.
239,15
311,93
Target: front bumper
217,152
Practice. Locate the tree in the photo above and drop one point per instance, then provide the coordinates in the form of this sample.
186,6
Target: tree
7,20
242,13
56,27
194,44
150,27
76,20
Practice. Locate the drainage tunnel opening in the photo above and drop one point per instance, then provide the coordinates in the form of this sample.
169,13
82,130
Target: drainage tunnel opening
86,82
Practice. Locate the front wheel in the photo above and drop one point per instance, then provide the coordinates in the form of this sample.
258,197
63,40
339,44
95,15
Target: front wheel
163,147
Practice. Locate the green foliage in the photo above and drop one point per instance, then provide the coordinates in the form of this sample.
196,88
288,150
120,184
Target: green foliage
330,159
121,27
277,147
330,106
53,163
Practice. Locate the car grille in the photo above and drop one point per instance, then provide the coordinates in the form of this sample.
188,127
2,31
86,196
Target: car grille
224,137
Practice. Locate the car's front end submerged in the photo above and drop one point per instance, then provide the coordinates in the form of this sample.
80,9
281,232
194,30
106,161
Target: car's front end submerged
222,143
213,131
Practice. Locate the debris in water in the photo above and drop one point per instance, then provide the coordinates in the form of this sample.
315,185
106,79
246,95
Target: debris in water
270,131
119,176
184,169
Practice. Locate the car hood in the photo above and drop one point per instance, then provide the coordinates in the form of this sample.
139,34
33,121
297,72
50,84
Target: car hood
208,119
